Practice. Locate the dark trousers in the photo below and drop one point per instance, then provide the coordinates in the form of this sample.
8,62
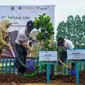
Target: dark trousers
63,57
21,54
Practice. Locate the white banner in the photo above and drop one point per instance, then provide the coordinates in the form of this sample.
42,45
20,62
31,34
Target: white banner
76,54
19,15
48,56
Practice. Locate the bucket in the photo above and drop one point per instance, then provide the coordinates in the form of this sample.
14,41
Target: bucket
30,66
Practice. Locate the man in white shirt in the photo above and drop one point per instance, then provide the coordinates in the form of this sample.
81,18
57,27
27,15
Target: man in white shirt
62,45
22,47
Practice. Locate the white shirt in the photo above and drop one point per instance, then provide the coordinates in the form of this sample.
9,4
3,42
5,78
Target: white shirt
68,44
21,36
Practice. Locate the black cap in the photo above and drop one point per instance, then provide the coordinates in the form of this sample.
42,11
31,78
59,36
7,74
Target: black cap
60,39
30,25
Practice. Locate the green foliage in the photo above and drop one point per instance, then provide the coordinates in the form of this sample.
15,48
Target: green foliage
43,23
73,29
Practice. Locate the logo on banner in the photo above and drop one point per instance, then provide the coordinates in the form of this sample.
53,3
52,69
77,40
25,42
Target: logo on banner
32,8
36,8
20,8
44,8
12,8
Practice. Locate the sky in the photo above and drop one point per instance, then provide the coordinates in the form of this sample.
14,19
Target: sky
63,8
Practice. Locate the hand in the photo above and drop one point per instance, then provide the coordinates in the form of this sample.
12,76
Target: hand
58,59
30,50
10,47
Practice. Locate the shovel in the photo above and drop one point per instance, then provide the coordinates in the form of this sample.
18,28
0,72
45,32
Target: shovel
30,74
72,72
12,50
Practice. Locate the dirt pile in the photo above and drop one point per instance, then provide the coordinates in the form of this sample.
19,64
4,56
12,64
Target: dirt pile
69,79
8,78
82,77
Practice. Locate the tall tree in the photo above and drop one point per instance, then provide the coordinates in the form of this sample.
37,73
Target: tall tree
61,30
73,29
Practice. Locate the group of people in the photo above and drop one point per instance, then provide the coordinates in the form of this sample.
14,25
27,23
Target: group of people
21,45
21,42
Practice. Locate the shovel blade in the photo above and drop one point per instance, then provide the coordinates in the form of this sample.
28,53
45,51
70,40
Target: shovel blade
72,72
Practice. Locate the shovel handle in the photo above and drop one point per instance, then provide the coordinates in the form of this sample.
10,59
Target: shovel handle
72,72
62,63
12,51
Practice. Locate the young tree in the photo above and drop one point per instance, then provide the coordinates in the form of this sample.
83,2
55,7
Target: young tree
43,23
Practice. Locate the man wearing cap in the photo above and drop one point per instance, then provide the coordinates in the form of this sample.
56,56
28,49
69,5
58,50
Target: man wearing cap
22,47
62,45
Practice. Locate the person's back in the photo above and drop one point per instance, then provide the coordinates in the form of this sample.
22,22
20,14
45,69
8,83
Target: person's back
21,36
68,44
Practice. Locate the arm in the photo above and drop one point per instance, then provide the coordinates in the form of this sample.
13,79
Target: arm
3,42
70,45
24,44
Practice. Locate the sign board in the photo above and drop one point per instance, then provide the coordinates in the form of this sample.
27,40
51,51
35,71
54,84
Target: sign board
76,54
48,56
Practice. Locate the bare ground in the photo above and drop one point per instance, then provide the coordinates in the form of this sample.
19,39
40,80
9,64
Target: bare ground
53,82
